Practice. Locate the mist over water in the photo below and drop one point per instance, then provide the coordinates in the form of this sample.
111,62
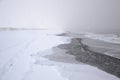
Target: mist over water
98,16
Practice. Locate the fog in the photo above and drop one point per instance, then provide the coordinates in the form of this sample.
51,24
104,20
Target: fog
99,16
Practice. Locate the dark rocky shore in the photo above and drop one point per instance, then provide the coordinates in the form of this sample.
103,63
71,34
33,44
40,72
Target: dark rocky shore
95,56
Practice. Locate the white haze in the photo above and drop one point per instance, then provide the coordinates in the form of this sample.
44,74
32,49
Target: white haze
101,16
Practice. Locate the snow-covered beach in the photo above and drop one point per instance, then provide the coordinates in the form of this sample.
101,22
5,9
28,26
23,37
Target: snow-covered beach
26,55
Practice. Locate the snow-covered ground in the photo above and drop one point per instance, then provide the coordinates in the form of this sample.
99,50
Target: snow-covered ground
22,58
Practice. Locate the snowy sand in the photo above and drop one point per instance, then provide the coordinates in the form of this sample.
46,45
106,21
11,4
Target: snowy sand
22,57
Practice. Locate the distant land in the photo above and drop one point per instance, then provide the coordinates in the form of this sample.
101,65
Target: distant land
13,28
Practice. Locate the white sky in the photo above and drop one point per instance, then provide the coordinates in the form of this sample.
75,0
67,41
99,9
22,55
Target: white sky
84,15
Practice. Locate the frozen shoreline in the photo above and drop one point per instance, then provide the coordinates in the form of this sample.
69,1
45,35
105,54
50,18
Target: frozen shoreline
111,38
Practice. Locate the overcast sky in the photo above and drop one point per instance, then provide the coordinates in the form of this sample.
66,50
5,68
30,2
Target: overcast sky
73,15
